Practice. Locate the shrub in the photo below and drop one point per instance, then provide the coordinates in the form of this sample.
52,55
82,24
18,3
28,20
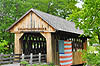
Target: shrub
23,62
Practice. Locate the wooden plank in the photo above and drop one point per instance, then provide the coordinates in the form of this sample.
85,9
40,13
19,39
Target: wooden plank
35,59
26,56
27,59
9,58
2,62
37,22
31,28
77,59
6,55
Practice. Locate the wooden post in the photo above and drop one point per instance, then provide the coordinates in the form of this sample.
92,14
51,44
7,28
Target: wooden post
22,57
39,58
49,47
31,57
54,49
11,59
17,46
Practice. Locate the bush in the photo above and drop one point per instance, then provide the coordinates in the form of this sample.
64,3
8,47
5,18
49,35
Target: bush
23,62
90,57
3,46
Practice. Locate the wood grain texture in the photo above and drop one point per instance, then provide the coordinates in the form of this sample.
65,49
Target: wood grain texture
17,46
50,54
77,59
28,24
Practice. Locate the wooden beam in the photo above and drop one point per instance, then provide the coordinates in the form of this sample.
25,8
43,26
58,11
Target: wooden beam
17,46
31,28
49,47
54,49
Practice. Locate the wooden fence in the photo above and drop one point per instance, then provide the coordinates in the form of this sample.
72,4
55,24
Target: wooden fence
10,58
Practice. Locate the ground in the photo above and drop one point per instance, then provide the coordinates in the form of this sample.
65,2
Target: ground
15,64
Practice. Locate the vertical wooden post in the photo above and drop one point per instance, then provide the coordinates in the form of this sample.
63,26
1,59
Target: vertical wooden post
39,58
11,59
49,47
54,49
31,57
22,57
17,46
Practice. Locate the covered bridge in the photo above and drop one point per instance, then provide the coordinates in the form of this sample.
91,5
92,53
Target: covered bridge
39,32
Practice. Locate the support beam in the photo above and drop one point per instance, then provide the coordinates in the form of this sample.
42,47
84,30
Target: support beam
49,47
17,46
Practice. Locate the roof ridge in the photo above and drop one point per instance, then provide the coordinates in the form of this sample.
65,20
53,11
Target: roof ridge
51,15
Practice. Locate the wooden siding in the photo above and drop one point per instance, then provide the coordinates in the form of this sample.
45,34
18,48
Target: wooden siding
32,22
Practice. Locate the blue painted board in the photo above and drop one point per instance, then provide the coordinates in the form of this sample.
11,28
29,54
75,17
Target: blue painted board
61,46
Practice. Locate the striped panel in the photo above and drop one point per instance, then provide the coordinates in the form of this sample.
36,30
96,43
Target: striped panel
70,46
65,63
65,54
66,58
68,50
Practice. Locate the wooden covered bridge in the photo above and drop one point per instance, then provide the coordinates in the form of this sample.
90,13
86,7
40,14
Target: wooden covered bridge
39,32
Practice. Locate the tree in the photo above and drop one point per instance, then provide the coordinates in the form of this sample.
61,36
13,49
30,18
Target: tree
88,19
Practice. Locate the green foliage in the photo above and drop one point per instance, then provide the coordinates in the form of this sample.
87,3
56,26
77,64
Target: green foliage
3,46
51,64
88,19
43,65
23,62
28,65
90,57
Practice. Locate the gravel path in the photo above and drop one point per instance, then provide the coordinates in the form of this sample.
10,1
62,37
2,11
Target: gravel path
15,64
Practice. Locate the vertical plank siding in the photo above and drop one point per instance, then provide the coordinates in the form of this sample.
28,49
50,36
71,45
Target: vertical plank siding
32,21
